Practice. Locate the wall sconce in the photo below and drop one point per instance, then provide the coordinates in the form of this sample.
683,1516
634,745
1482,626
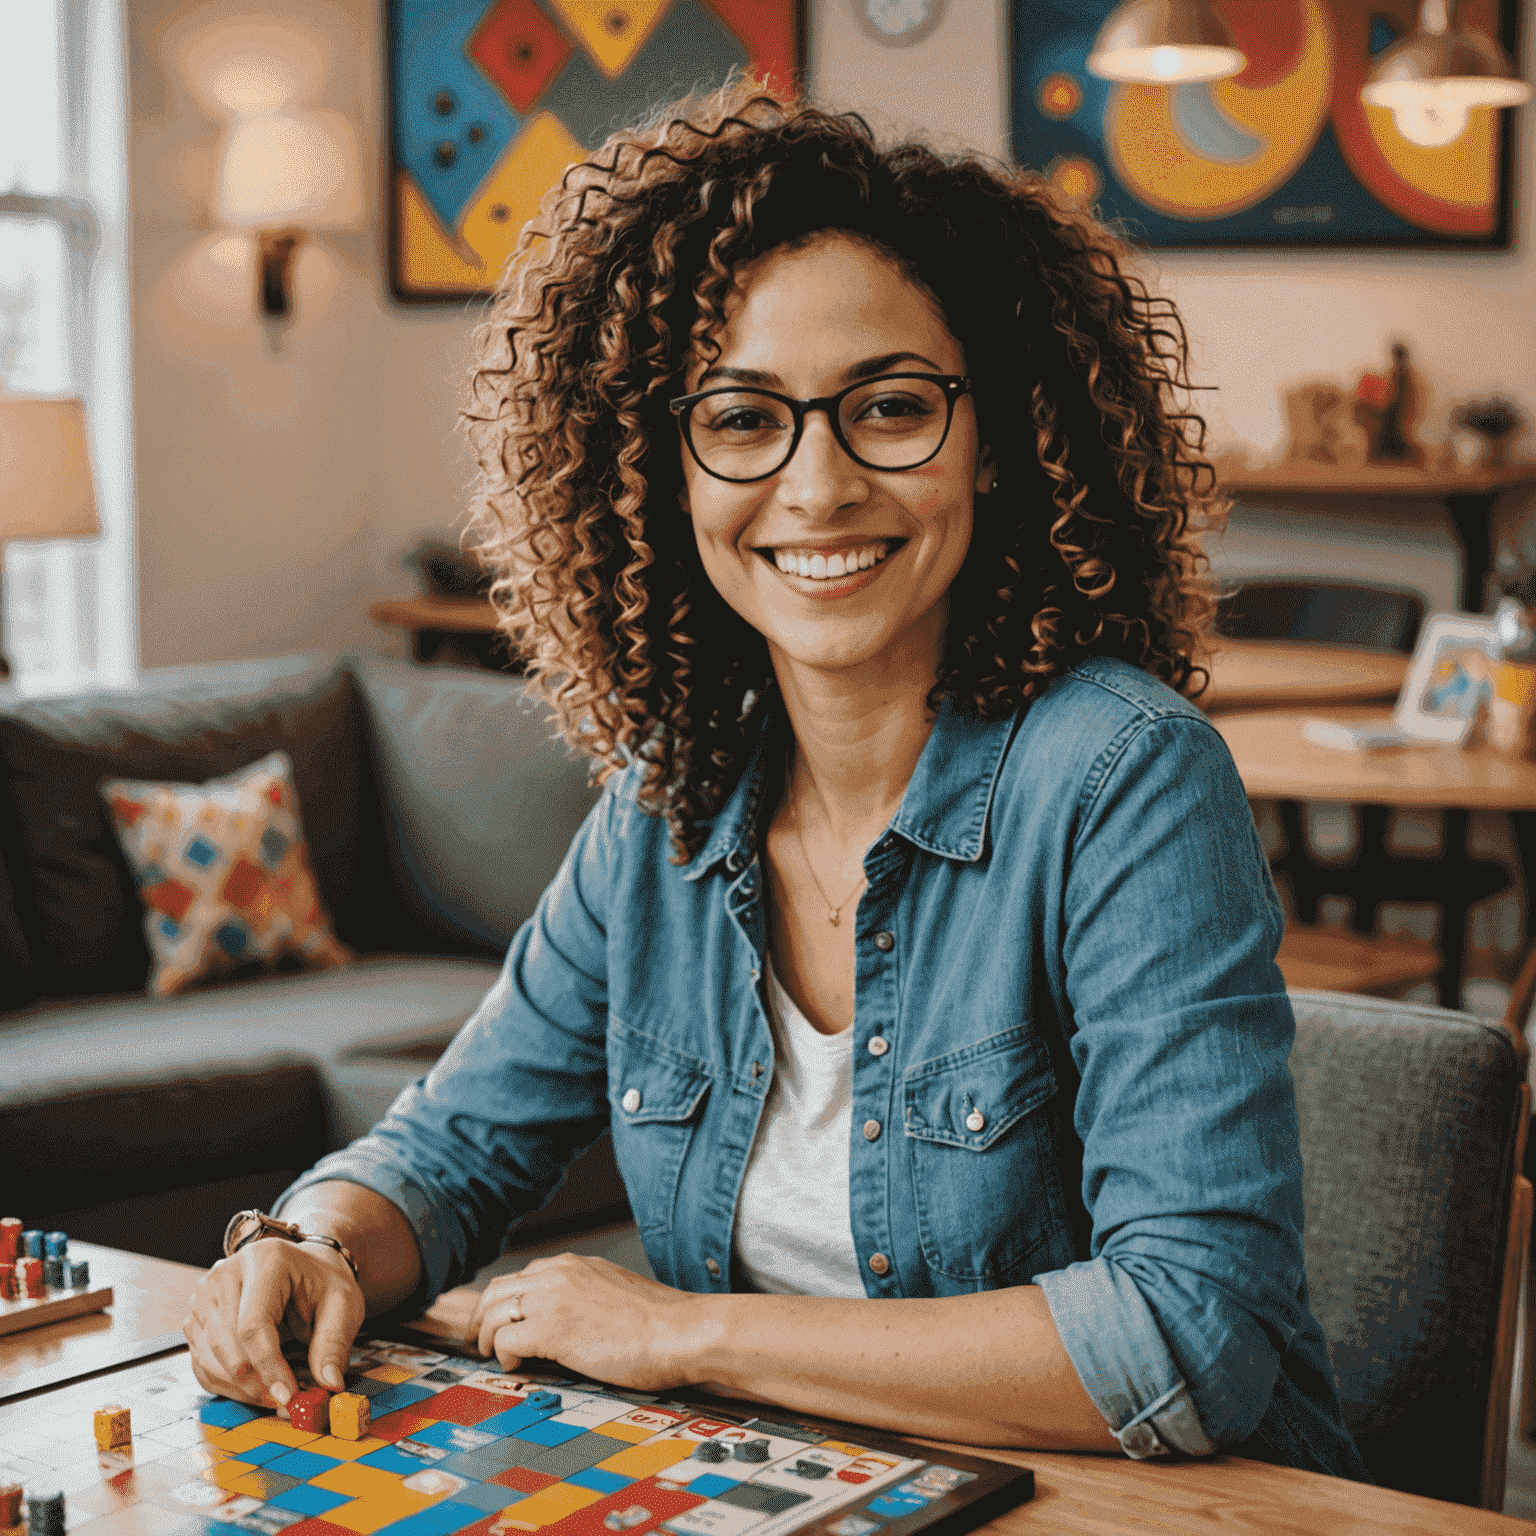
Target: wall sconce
284,174
1164,42
1433,80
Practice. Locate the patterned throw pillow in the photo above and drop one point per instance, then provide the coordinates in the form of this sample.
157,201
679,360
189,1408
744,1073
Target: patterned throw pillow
223,875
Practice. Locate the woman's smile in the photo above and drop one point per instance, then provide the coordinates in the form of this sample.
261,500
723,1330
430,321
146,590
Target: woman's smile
832,569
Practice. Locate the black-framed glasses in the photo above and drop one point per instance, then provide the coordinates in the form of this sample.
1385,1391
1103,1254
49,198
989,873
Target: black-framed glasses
897,421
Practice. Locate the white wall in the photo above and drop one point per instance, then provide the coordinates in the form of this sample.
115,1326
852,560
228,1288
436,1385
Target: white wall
278,491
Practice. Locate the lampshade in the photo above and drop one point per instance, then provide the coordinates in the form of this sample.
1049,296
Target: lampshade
46,490
1164,42
1432,80
295,167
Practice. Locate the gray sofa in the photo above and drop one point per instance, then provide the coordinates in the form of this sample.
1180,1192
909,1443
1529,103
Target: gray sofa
437,805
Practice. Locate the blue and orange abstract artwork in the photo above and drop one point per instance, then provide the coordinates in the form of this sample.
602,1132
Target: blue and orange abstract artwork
491,100
1284,153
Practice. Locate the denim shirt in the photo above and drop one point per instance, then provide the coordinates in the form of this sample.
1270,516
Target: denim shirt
1070,1060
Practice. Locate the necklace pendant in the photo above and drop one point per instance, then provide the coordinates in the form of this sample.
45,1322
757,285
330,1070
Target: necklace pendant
832,915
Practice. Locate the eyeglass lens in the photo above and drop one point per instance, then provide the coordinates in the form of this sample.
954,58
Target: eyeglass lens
888,423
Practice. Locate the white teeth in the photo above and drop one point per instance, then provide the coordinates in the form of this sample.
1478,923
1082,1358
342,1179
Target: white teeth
829,567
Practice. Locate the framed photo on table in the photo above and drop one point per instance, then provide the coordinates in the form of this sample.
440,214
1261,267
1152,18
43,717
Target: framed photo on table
490,101
1447,678
1283,154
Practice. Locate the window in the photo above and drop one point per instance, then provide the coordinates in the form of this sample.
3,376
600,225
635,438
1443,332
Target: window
69,609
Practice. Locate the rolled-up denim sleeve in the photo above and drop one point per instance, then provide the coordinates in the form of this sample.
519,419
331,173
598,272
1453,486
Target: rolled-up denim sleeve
485,1137
1181,1030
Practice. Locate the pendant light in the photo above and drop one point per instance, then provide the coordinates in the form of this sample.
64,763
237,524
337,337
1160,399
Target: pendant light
1432,80
1164,42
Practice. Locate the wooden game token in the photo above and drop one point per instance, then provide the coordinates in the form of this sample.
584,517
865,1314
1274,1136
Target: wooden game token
114,1427
350,1417
310,1410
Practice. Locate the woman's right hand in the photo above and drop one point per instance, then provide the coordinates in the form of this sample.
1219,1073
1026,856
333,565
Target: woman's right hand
272,1290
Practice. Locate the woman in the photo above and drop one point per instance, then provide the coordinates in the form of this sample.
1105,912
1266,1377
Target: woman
920,947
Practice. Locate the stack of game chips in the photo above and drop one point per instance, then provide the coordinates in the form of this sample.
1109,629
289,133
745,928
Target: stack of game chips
55,1257
45,1514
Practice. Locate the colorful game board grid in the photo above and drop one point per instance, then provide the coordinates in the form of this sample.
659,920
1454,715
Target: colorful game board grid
458,1449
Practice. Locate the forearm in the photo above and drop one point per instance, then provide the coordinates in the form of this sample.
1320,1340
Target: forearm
373,1231
986,1369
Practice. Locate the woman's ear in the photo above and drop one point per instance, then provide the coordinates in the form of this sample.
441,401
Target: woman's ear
986,472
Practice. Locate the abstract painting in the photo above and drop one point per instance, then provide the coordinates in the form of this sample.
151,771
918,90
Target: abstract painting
1285,153
491,100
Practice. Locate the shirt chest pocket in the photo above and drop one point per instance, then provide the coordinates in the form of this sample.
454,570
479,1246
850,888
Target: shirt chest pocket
981,1139
656,1100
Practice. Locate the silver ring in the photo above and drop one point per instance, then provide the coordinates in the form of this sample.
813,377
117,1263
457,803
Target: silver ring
516,1314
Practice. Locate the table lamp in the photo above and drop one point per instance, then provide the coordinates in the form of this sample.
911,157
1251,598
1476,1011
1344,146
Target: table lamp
46,490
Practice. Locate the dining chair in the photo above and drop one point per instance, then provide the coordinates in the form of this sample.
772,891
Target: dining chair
1413,1126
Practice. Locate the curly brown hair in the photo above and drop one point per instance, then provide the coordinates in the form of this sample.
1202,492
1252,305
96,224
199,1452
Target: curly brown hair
623,278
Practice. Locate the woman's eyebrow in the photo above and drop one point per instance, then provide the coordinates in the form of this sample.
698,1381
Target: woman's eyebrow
868,369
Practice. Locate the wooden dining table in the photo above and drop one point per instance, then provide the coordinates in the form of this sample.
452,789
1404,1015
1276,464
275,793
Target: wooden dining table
1109,1495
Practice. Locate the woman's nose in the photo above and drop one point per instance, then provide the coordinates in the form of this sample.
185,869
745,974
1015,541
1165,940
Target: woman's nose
820,477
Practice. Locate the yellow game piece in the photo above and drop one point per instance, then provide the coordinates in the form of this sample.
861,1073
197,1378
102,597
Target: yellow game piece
114,1428
349,1416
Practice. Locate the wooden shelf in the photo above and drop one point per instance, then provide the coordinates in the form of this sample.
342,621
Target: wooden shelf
1371,480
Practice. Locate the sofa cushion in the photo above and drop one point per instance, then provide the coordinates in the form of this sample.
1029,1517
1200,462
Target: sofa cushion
480,797
223,875
74,891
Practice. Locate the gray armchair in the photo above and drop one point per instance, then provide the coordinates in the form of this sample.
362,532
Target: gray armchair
1413,1125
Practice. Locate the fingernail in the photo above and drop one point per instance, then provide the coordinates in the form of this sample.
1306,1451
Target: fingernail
332,1377
279,1393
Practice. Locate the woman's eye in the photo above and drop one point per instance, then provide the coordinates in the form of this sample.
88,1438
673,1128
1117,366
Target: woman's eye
892,408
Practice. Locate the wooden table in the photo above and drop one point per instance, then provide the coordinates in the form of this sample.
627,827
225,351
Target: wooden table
430,620
1277,763
1249,673
150,1300
1076,1493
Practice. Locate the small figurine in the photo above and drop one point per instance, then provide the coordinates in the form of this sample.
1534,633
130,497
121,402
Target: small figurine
1387,406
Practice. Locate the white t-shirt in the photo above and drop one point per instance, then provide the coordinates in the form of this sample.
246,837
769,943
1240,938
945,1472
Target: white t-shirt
793,1234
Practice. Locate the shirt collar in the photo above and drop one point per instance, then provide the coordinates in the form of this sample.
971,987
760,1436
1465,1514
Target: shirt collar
944,809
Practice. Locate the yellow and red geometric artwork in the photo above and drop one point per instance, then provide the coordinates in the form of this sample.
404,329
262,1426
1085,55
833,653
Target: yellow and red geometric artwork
1283,153
492,100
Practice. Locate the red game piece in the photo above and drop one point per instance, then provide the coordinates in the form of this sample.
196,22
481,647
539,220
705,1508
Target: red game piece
310,1411
7,1289
10,1239
10,1504
30,1273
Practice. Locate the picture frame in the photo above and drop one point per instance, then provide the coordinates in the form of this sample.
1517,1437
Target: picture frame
1283,155
490,101
1447,678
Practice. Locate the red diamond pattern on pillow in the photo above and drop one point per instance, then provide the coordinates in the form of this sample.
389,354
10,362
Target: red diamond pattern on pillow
223,874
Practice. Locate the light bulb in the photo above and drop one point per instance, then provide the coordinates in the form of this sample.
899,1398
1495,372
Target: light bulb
1431,124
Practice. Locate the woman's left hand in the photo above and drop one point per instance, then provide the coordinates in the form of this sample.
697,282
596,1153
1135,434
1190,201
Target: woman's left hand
591,1315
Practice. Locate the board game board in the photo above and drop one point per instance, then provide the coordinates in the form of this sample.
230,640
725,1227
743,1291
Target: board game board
455,1447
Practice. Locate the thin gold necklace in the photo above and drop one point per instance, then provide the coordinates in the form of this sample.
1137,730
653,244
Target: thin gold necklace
832,911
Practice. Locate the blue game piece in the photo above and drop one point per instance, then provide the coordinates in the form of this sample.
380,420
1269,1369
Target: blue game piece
32,1244
55,1245
45,1513
53,1274
542,1399
77,1274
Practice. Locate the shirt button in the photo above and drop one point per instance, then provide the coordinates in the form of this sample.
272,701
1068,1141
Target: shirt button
713,1266
878,1045
631,1100
885,941
879,1264
975,1121
871,1130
